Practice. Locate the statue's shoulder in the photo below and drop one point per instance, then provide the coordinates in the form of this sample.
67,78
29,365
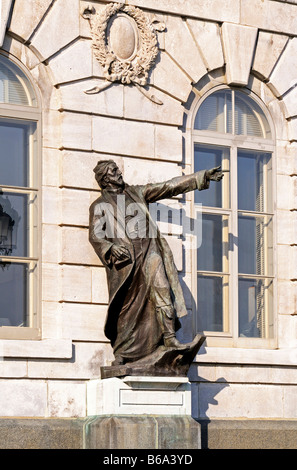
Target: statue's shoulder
135,189
97,201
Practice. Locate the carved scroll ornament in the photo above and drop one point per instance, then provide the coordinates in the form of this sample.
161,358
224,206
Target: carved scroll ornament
125,44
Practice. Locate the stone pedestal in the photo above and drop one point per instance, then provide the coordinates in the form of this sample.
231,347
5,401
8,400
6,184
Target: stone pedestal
134,395
142,432
141,412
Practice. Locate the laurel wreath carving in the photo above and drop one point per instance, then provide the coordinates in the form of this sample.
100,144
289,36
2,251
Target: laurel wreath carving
115,69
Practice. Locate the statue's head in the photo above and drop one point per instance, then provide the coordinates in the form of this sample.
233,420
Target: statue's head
108,174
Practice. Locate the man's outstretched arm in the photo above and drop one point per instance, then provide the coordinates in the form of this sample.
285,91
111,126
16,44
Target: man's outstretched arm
181,184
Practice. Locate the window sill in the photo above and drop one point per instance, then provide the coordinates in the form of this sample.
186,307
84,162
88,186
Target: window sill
39,349
275,357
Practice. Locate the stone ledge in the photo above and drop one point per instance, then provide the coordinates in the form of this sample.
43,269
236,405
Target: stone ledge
248,434
43,349
272,357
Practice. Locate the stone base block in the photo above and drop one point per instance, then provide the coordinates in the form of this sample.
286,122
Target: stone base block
248,433
41,433
143,432
139,396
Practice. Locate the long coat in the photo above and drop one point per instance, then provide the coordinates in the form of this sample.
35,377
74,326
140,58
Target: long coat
119,273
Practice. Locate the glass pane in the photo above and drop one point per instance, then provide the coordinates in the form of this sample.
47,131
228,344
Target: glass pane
249,117
15,87
255,245
254,181
215,113
16,211
213,251
206,158
15,137
14,284
255,308
212,293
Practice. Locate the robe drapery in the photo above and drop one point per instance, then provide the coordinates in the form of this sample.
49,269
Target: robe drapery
147,280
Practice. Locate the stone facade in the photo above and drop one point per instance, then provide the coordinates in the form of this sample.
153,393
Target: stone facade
233,42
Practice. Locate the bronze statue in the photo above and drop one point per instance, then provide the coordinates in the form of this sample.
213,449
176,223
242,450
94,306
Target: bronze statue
145,296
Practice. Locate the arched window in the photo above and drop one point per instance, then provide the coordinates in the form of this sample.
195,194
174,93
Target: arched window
234,263
19,194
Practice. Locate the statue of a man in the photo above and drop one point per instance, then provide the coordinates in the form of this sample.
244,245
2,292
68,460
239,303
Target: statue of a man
145,296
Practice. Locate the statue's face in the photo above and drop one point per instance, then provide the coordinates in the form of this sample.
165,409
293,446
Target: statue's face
113,176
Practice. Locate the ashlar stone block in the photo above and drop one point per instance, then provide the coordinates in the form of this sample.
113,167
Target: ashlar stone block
84,322
76,283
137,106
168,143
181,46
179,85
220,10
290,101
292,129
269,15
51,243
290,397
286,229
75,206
284,75
285,198
99,286
5,12
137,139
47,348
52,120
205,34
76,131
66,399
223,400
76,248
29,398
269,48
287,334
85,363
132,138
54,32
51,205
51,282
77,170
239,43
287,262
25,20
73,63
287,297
51,167
108,102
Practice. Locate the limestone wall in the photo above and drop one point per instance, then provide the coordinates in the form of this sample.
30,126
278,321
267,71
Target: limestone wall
236,42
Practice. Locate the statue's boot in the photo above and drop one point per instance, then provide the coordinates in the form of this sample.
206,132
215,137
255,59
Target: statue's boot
165,315
119,361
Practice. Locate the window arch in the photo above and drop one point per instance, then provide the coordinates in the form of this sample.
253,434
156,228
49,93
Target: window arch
19,200
232,112
234,265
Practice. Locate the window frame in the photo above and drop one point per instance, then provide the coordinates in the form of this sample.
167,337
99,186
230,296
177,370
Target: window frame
33,114
234,143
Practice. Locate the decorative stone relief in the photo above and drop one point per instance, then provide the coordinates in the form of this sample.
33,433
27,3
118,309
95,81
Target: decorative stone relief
125,44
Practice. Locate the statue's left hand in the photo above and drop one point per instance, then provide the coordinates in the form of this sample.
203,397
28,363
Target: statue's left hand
215,174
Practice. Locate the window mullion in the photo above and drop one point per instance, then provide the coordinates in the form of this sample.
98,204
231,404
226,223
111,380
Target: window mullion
234,244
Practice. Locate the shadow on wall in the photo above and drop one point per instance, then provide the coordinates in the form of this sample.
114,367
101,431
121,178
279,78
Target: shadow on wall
204,397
